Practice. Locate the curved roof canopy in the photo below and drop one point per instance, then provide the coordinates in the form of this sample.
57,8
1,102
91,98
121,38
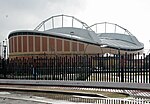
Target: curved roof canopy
99,34
115,36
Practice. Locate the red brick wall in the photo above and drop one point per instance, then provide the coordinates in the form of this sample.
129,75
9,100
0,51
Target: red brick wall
24,43
81,47
74,46
59,44
15,44
37,44
66,45
30,38
19,44
10,45
44,44
51,44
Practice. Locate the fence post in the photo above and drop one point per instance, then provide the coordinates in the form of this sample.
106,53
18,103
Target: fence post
4,67
122,68
34,69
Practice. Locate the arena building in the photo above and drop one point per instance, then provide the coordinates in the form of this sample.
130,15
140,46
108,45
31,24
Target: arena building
63,34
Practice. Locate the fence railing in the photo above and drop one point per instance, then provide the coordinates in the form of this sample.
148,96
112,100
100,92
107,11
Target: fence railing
110,68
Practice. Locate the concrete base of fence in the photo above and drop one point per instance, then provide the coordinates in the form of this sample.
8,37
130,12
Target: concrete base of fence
107,85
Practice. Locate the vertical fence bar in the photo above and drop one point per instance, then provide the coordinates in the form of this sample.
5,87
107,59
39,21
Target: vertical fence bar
13,61
23,68
127,69
53,69
119,67
122,68
28,67
57,68
109,69
146,68
104,67
138,68
141,72
99,67
136,71
149,67
7,71
133,75
96,66
47,73
36,68
74,65
50,67
47,68
66,68
20,68
4,68
130,69
85,67
63,65
90,71
125,66
39,70
22,73
70,68
106,73
143,68
21,65
27,61
44,68
15,65
11,67
78,64
88,68
114,68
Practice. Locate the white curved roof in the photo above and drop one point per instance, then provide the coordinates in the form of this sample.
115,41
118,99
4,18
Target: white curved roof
120,41
123,41
112,40
76,33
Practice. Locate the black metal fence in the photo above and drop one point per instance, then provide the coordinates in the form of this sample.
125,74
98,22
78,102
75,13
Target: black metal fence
110,68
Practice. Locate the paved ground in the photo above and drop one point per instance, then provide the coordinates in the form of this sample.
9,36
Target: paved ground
14,101
23,98
13,98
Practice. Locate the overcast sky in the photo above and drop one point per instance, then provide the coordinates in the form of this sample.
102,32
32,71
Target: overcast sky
133,15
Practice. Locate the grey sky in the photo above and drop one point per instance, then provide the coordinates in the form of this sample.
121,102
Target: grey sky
27,14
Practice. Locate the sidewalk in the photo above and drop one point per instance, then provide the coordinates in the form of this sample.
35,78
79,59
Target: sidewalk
100,89
85,84
59,90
